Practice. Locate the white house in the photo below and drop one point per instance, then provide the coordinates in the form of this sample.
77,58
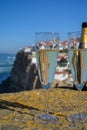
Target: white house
34,60
61,75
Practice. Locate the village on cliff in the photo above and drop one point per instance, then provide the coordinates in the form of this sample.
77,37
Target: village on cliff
63,72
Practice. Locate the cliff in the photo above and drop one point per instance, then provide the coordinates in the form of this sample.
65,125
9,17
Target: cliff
24,74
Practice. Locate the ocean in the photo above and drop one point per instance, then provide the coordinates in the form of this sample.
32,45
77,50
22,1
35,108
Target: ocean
6,63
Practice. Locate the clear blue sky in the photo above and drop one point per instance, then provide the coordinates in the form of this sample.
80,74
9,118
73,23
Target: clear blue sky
20,19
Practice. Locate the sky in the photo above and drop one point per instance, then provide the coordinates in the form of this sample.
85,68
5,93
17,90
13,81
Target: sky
20,19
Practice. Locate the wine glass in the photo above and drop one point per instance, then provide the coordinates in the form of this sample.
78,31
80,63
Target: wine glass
78,64
46,55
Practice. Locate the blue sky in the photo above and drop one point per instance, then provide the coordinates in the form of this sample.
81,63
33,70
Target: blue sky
20,19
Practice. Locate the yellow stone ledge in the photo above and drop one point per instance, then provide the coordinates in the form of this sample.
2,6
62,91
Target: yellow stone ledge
17,110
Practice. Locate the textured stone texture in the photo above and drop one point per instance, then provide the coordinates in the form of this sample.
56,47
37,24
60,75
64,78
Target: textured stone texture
17,110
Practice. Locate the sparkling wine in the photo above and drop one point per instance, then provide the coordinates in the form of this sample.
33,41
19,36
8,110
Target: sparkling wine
78,63
47,44
83,41
46,62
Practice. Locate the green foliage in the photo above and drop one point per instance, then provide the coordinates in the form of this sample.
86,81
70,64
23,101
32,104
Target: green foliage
63,62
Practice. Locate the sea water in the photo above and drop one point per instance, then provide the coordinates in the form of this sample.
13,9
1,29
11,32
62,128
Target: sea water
6,63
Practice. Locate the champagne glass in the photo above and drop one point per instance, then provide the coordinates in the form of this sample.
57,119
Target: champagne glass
78,64
46,55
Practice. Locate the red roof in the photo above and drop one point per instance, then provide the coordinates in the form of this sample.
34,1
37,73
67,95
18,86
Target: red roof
60,72
60,57
49,43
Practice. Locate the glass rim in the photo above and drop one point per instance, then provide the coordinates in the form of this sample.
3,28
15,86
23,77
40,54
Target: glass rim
75,32
47,33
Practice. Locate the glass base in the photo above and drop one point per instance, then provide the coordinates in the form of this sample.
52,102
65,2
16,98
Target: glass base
46,119
77,117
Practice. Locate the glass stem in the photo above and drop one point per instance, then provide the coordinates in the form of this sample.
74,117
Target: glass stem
46,102
79,101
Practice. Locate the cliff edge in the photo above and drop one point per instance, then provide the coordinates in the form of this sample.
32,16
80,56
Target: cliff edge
24,74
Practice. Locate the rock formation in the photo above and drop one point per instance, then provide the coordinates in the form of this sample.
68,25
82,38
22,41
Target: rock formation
24,74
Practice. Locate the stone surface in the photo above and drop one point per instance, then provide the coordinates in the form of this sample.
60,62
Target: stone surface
18,110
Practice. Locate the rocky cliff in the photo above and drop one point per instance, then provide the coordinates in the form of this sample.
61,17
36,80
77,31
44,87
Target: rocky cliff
24,74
